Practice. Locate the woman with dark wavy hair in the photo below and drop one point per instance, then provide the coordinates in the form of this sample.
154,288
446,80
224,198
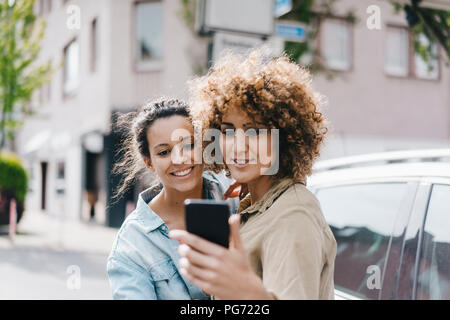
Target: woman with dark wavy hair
143,263
281,246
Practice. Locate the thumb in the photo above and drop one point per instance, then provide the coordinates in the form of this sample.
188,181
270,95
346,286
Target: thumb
235,235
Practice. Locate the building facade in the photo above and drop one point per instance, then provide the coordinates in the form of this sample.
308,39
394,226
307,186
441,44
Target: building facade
117,54
383,97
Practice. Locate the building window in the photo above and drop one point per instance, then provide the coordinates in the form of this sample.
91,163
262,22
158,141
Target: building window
45,6
148,34
427,69
336,44
94,45
433,278
71,67
402,60
397,52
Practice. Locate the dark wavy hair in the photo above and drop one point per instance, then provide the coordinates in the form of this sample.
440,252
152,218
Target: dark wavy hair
134,147
275,90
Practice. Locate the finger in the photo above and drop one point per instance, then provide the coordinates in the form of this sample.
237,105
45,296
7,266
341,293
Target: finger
195,271
235,234
196,258
176,234
203,285
197,243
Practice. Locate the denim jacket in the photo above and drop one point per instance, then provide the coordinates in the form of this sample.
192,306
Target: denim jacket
143,263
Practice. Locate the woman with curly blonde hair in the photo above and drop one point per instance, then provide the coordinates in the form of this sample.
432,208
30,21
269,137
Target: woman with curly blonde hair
281,246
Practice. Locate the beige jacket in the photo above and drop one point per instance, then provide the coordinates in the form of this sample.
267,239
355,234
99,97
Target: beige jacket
289,243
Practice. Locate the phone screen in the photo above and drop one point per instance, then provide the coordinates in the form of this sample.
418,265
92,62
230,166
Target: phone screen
208,219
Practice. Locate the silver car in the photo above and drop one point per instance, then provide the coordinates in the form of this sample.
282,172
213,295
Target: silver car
390,215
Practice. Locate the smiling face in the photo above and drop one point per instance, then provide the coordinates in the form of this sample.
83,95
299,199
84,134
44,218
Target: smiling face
246,152
171,148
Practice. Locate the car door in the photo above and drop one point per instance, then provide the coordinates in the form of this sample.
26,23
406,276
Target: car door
433,269
399,282
363,217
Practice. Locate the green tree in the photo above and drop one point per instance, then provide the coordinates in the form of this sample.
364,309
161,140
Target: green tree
21,33
433,23
13,185
311,13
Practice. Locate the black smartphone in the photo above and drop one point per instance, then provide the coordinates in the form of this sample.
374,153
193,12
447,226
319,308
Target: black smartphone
208,219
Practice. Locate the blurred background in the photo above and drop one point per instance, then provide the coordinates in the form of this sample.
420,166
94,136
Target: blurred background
68,67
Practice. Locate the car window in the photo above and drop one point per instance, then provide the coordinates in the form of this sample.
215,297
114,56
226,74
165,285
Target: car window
433,281
362,219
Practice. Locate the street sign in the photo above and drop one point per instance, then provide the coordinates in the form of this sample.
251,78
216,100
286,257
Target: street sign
237,42
245,16
291,31
282,7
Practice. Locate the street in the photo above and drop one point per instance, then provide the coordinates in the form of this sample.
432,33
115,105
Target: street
54,259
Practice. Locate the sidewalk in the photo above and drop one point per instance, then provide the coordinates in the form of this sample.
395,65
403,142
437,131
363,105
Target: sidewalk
55,259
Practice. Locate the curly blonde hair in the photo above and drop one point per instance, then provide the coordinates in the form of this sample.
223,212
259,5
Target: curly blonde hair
275,91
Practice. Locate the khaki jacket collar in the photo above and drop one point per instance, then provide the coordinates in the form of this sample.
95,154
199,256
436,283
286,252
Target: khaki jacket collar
246,209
